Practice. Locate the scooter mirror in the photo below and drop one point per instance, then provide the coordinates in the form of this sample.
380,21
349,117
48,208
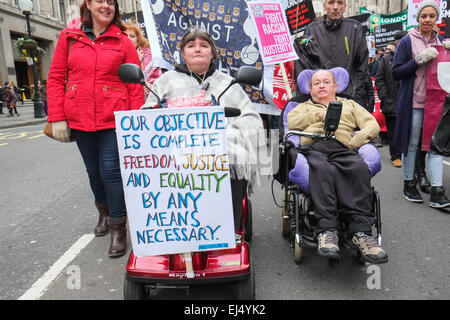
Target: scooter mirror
131,73
245,75
443,75
248,75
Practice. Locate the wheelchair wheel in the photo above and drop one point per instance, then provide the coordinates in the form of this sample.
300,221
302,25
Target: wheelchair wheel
298,252
285,216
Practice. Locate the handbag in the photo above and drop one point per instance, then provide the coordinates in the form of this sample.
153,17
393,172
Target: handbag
48,130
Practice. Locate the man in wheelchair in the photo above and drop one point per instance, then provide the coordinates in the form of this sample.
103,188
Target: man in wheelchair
339,179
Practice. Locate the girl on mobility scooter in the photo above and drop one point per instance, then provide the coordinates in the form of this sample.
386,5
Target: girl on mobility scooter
198,83
339,178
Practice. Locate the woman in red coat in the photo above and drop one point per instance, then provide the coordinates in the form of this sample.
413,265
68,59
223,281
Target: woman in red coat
83,93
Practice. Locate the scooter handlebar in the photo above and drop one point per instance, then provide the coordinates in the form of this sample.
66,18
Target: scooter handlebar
232,112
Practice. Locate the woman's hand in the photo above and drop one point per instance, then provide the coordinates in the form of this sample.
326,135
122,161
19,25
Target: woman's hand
426,55
61,131
446,44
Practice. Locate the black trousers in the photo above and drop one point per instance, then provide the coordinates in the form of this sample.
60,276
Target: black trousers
390,128
339,180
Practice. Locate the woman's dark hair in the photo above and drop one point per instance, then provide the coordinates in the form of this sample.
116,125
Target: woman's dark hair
86,18
194,33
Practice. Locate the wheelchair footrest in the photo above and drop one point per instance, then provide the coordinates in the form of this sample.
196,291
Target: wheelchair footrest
307,242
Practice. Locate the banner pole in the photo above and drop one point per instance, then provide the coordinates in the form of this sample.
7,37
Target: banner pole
286,81
189,268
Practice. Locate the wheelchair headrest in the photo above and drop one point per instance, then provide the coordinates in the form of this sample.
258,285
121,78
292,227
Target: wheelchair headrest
340,74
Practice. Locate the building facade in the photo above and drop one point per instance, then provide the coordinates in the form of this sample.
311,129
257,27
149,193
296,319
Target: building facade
47,19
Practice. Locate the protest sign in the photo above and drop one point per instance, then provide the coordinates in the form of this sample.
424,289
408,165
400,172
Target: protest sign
412,11
176,180
385,33
274,41
299,14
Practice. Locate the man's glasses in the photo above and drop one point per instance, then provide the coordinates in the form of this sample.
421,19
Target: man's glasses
108,2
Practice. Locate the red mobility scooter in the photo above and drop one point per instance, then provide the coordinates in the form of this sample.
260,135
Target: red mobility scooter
182,271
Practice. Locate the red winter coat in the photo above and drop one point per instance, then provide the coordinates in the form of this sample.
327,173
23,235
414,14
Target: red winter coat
94,91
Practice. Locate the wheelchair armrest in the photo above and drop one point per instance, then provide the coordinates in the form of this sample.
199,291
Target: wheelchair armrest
371,157
300,173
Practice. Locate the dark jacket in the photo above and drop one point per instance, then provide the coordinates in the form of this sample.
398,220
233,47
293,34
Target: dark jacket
368,95
328,49
387,87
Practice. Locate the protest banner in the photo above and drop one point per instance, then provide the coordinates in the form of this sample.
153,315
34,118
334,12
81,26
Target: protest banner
385,33
299,13
274,40
230,27
175,173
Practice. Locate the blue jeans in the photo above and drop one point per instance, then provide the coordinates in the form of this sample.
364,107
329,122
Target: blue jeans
435,161
101,158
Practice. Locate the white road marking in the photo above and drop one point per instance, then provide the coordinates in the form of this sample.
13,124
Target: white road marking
447,163
39,287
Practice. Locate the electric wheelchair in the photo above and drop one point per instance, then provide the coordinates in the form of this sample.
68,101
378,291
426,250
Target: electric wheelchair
298,221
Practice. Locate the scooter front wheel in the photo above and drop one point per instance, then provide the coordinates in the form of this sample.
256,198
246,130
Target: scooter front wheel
133,290
245,290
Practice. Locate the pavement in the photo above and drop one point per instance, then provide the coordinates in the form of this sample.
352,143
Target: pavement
26,116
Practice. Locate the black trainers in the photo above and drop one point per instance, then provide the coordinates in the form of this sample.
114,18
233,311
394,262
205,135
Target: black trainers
328,244
410,191
438,199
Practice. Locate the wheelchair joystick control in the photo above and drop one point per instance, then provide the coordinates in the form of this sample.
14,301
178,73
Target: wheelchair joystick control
333,117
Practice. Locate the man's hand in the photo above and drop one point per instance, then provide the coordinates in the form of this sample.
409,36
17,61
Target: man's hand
446,44
61,131
426,55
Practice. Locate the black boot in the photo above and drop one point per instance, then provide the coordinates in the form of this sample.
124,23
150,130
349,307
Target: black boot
410,191
438,199
424,183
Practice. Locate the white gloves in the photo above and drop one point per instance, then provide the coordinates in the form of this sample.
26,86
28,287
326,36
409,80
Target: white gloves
446,44
61,131
426,55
